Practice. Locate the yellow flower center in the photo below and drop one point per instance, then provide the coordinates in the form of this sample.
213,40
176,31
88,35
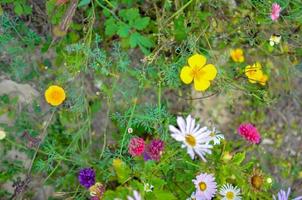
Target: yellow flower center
230,195
202,186
190,139
212,134
197,72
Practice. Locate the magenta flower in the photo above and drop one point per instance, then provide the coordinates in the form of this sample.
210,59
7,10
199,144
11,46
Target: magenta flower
276,9
136,146
249,132
154,150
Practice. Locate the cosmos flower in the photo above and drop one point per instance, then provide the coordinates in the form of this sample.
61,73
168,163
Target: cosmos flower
87,177
282,195
136,146
216,137
136,196
206,186
154,150
198,72
237,55
229,192
275,13
249,132
193,137
55,95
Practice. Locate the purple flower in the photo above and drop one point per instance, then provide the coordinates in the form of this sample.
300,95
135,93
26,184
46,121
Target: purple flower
282,195
154,150
87,177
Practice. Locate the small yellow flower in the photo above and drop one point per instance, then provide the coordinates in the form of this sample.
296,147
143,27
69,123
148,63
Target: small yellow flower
237,55
255,74
55,95
198,71
2,134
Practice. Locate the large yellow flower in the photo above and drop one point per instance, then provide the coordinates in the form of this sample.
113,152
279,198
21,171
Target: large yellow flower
237,55
198,71
55,95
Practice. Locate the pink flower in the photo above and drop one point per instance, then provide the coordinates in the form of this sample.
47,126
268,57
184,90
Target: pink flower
136,146
249,132
276,9
154,150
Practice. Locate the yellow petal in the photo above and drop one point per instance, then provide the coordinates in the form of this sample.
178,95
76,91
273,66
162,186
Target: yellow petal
263,79
201,84
186,75
210,72
197,60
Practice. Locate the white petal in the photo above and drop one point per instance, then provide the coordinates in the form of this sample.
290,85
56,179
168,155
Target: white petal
173,129
191,153
178,137
181,124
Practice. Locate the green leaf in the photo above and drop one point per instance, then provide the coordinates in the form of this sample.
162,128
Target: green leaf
123,30
134,39
84,3
18,8
110,27
141,23
129,15
238,158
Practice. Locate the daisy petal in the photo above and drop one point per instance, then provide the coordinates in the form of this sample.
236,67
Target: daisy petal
181,124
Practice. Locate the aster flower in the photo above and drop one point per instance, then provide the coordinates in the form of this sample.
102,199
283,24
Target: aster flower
136,196
206,186
215,136
136,146
193,137
97,191
154,150
229,192
282,195
275,13
249,132
87,177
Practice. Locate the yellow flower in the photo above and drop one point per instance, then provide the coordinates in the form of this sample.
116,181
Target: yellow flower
237,55
198,71
255,74
2,134
55,95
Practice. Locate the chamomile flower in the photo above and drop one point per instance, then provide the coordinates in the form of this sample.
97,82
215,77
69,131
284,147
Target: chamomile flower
229,192
216,136
193,137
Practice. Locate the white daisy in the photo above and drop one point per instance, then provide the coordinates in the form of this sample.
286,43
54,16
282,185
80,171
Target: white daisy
136,196
216,136
229,192
193,137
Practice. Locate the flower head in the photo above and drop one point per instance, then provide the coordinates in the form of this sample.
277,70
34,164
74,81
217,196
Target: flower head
215,136
198,72
274,39
97,191
148,187
256,179
237,55
275,13
154,150
87,177
254,72
55,95
206,186
2,134
136,146
249,132
193,137
230,192
136,196
282,195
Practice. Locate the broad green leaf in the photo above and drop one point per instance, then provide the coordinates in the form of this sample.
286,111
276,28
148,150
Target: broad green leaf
123,30
141,23
238,158
110,27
